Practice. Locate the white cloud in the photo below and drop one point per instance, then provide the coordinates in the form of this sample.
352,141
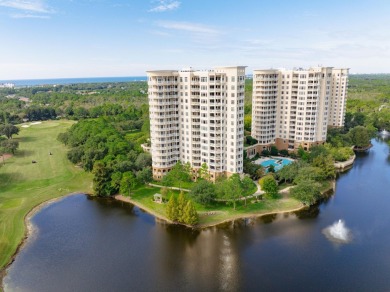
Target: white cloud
36,6
165,5
28,15
188,27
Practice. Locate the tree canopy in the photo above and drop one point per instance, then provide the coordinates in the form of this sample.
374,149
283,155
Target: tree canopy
9,130
269,185
203,192
181,210
307,191
360,136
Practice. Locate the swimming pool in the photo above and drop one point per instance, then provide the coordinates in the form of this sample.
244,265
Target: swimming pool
278,163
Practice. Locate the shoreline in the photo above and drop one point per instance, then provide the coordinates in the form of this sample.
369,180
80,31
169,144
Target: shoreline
122,198
251,215
30,231
203,226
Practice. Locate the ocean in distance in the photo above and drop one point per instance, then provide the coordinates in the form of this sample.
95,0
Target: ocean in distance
65,81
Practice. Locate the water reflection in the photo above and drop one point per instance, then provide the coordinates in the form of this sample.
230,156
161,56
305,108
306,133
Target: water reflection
207,259
268,218
308,213
228,271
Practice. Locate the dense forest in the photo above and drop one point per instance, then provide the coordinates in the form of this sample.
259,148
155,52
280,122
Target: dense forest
113,123
75,101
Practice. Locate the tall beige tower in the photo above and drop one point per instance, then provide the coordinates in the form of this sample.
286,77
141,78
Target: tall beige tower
339,97
292,108
197,117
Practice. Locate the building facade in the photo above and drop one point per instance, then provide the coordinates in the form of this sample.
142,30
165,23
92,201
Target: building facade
292,108
197,117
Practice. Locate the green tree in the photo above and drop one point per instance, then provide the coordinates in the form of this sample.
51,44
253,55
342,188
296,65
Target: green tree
204,171
101,179
9,146
289,172
303,154
247,185
255,171
234,189
181,204
80,113
326,164
309,172
9,130
271,168
308,192
171,209
178,174
283,152
318,150
339,153
265,152
168,180
203,192
247,122
274,151
360,136
143,160
221,185
116,178
250,141
354,119
145,175
191,217
269,185
128,183
188,169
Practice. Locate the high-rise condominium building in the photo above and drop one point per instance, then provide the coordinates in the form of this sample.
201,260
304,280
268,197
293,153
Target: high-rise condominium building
292,108
197,117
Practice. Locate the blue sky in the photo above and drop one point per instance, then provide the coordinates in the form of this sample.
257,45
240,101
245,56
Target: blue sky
88,38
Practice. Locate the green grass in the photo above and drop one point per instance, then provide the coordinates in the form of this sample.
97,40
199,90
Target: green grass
284,185
24,185
217,212
183,185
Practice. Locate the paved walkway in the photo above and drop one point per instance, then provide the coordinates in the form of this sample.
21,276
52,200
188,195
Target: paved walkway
172,188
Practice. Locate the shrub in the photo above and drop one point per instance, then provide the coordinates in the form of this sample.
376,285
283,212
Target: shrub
269,185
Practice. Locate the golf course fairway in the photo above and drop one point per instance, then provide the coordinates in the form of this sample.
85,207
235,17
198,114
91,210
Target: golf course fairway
24,185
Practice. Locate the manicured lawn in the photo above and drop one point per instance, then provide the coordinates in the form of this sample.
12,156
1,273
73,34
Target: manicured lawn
24,185
183,185
217,212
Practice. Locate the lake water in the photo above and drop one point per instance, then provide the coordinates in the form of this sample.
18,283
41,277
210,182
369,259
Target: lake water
90,244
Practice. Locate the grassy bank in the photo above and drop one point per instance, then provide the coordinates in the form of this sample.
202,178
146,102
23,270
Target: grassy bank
24,185
218,212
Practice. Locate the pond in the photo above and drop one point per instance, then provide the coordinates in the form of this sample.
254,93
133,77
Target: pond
90,244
